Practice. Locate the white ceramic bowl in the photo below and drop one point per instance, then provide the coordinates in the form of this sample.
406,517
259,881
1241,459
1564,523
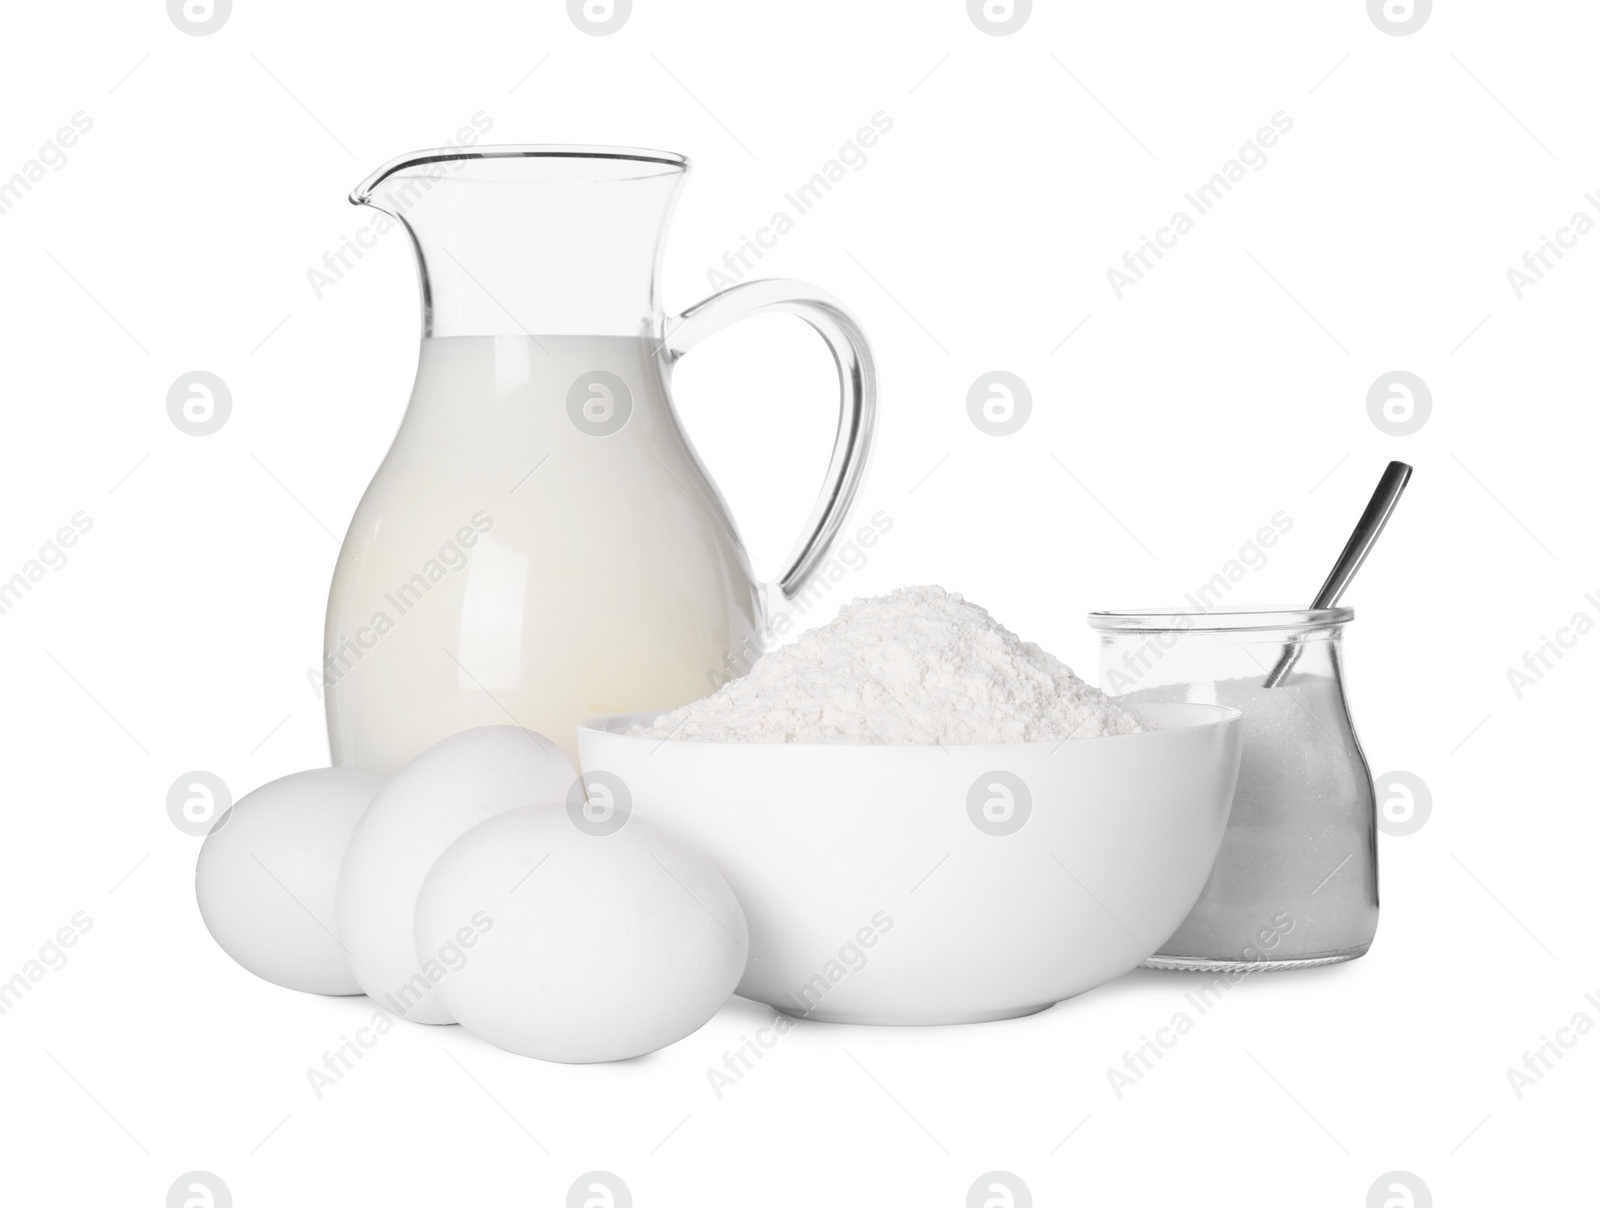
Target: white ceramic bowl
926,884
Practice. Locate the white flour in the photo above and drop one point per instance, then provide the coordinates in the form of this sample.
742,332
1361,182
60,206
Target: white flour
920,665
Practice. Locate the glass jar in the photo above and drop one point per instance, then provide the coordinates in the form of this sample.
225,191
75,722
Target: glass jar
1296,880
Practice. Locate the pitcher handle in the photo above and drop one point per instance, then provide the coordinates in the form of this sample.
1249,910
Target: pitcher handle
858,397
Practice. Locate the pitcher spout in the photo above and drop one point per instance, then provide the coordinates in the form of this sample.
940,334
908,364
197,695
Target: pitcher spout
531,240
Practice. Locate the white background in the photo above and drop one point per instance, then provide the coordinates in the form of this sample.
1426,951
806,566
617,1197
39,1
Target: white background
1229,384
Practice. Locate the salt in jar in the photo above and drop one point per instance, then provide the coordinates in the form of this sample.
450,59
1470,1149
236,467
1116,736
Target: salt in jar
1296,880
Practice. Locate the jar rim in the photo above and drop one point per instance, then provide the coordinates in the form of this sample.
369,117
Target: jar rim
1209,620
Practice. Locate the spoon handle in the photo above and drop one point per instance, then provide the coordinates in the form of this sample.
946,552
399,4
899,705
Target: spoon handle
1379,508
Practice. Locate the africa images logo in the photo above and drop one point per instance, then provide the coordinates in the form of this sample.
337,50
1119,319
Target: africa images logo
598,18
599,403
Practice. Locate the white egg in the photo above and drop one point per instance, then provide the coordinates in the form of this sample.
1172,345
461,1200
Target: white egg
572,946
267,876
426,806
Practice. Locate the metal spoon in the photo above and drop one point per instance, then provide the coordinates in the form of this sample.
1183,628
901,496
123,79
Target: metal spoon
1379,507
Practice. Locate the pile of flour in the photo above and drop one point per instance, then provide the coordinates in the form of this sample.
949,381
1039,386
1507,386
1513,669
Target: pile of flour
920,665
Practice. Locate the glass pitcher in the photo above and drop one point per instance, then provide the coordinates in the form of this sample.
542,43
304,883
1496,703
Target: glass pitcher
541,544
1296,880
